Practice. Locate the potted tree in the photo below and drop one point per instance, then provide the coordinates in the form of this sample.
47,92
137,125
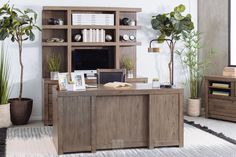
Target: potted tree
169,27
54,66
18,25
194,67
127,63
5,119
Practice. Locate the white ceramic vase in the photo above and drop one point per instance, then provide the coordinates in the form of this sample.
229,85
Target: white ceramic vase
194,107
130,74
54,75
5,117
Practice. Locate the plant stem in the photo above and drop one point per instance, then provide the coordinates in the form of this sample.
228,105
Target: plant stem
21,67
170,64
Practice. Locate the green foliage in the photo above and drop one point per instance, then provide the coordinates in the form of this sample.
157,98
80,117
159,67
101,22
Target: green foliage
17,25
127,63
189,56
172,24
4,77
54,63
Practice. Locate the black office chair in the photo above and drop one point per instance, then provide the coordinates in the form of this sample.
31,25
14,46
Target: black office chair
110,75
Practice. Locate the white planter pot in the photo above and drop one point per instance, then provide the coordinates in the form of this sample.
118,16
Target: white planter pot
130,74
194,107
5,117
54,75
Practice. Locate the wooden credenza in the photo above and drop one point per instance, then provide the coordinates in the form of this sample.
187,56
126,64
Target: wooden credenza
108,118
47,95
220,97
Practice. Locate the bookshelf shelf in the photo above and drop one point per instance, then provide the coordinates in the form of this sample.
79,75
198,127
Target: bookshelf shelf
92,27
129,43
93,44
220,97
129,27
54,44
214,87
54,27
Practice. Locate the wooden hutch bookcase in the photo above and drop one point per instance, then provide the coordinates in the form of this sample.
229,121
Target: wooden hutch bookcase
65,49
220,97
66,31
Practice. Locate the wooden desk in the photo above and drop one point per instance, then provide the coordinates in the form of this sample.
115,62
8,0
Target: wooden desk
47,95
108,118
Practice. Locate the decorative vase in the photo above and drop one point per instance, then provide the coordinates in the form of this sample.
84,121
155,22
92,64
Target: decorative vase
20,110
194,107
5,118
54,75
130,74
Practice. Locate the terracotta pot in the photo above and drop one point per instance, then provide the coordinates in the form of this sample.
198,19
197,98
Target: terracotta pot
20,110
5,118
194,107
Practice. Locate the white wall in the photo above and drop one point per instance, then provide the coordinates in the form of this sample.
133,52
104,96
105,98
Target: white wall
147,64
233,34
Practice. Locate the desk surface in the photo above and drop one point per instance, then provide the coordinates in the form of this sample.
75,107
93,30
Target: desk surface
136,88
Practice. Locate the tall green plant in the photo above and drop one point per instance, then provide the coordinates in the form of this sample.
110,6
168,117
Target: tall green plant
18,25
54,63
170,26
4,77
189,56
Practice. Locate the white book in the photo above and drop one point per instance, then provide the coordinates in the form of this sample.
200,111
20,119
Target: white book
103,35
102,30
90,35
84,33
93,35
97,35
92,19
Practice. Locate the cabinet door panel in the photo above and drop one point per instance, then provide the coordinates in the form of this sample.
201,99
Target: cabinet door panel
76,123
164,119
121,121
222,107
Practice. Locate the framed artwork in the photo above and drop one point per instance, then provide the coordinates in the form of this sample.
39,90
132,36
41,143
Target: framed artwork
232,33
62,80
78,78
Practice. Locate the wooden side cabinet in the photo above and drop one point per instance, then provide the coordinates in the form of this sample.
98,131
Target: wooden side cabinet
47,95
220,97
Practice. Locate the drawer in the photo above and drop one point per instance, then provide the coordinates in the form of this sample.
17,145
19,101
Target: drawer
222,107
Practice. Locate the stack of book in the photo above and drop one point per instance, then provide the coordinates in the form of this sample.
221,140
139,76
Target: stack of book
92,19
93,35
223,93
220,85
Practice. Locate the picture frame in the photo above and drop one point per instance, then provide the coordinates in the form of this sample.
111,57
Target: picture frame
79,81
62,81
